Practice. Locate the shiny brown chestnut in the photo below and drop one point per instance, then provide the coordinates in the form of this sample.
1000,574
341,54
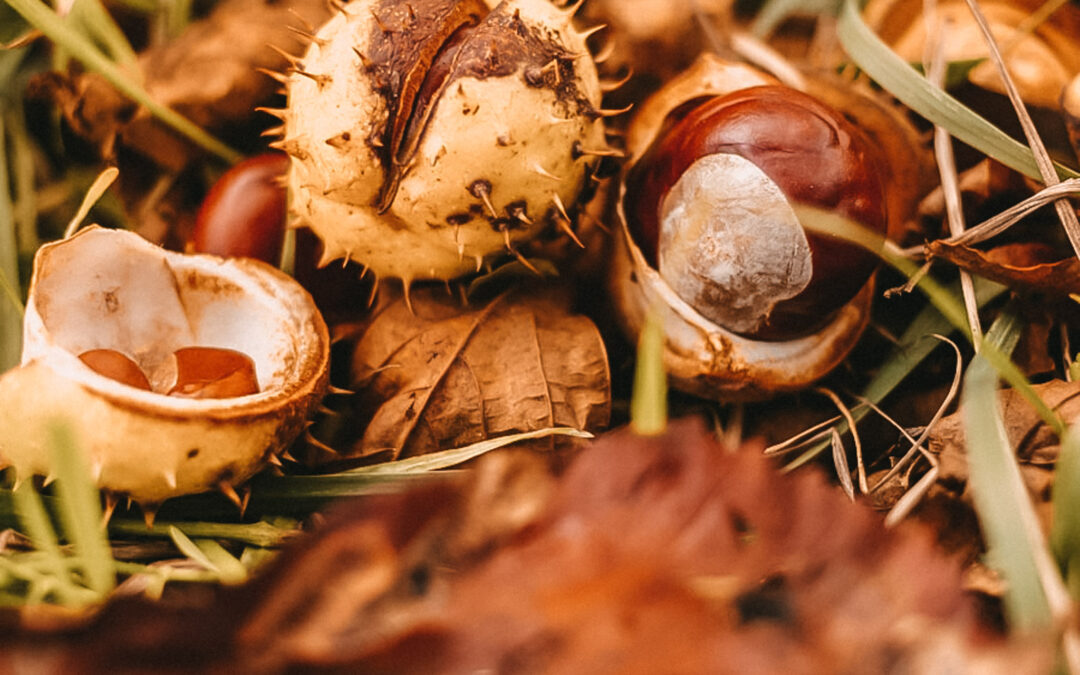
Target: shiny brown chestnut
710,205
243,215
117,366
213,372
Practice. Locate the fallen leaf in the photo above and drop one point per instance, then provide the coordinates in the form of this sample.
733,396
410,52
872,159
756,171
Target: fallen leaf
440,375
209,74
660,554
947,507
985,182
1013,266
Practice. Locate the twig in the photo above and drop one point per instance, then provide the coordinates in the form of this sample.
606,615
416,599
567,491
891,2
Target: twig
995,225
860,466
943,152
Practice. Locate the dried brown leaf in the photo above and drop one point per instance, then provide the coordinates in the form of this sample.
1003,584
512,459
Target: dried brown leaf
1014,266
439,375
948,507
208,74
661,554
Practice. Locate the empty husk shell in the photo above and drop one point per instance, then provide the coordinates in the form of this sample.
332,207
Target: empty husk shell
113,290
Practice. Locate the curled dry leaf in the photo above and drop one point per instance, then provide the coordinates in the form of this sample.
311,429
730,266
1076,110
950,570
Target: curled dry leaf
209,74
662,554
1035,443
1019,266
439,375
1042,59
947,506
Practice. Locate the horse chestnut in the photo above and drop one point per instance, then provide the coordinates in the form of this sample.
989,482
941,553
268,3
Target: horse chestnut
710,205
244,213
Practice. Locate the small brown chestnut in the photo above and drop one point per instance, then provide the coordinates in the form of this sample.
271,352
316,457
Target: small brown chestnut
213,372
117,366
244,212
710,205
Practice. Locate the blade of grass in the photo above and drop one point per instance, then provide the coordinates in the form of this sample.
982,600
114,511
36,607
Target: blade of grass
1042,159
22,169
299,495
93,194
902,81
774,12
34,519
1065,531
1006,515
57,30
35,522
648,401
261,533
11,307
80,510
912,349
950,185
99,24
446,458
229,569
210,555
836,225
186,546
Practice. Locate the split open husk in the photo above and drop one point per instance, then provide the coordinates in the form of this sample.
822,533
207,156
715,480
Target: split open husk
112,289
701,357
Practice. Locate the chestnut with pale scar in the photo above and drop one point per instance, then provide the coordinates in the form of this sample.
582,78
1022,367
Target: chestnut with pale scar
724,161
711,205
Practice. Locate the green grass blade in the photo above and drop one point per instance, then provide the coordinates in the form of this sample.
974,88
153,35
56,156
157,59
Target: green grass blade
262,534
648,401
57,30
902,81
774,12
446,458
914,346
1006,515
80,510
99,24
34,519
185,545
1065,531
11,307
836,225
229,569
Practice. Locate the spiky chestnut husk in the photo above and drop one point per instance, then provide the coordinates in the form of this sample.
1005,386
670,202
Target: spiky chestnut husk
110,289
427,137
700,356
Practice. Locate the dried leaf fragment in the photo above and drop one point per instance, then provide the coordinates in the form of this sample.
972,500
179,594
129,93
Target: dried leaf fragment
209,73
1019,266
441,375
666,554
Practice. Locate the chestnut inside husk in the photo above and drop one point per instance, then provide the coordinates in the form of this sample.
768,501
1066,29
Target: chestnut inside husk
701,355
809,151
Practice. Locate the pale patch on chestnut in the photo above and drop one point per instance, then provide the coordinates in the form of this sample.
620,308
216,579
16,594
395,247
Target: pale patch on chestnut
734,252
